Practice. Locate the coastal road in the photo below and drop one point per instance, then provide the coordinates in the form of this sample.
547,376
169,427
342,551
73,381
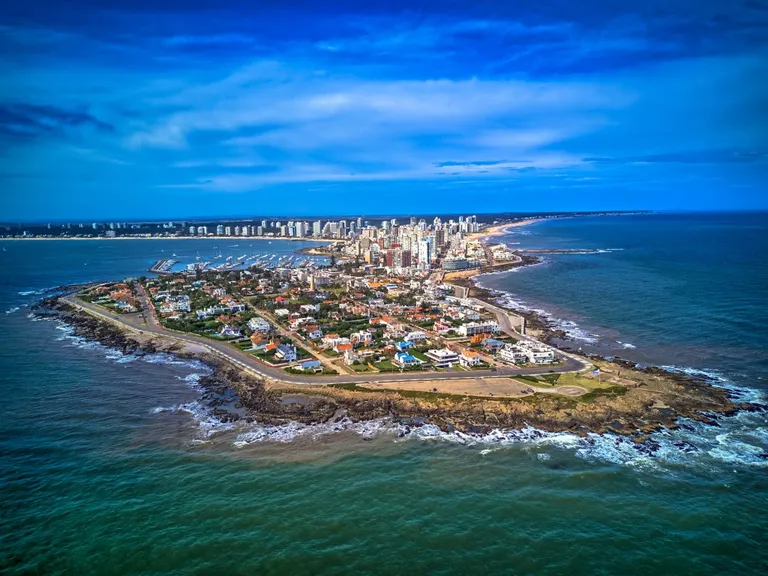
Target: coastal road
146,322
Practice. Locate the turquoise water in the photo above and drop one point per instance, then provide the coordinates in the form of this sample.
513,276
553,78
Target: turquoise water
109,465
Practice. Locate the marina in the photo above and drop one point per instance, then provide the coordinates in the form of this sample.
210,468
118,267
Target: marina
218,262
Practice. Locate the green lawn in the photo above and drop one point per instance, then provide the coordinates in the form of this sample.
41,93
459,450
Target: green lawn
360,368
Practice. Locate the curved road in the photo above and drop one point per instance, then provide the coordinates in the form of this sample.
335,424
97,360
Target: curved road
146,322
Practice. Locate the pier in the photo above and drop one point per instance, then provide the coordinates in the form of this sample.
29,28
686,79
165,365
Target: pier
162,266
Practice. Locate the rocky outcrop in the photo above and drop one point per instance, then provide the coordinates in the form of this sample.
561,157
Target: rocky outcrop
626,411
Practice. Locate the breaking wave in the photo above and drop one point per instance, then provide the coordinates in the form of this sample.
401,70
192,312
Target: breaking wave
207,423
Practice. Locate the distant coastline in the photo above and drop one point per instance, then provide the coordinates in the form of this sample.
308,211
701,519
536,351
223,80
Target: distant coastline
289,238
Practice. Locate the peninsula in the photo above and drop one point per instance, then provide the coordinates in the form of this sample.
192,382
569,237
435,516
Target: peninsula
388,328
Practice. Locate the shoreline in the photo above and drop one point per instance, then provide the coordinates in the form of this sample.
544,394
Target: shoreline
270,238
624,410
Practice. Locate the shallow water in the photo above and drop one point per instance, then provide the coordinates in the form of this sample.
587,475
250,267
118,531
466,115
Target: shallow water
111,465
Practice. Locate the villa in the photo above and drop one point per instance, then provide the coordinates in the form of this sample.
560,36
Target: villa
259,325
403,359
469,358
443,358
472,328
229,332
286,353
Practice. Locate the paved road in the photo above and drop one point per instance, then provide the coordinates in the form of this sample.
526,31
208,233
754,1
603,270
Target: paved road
146,322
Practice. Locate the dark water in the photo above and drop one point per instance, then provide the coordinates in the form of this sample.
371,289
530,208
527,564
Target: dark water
108,465
680,290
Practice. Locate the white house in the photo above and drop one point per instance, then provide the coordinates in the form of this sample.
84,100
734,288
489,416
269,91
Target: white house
469,358
443,358
229,332
472,328
363,337
510,353
259,325
282,312
309,308
414,336
525,351
350,357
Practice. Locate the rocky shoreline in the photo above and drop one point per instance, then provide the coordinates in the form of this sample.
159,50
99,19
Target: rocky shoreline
633,412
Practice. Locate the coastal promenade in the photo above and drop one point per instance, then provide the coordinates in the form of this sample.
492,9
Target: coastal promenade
148,324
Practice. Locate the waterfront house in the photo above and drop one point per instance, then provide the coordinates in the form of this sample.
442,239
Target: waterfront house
492,345
403,359
443,358
473,328
229,332
311,366
469,358
286,353
512,354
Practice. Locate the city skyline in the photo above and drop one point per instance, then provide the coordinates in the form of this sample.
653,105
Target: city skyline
146,110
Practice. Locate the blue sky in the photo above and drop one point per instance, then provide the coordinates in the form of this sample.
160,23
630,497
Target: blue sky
198,108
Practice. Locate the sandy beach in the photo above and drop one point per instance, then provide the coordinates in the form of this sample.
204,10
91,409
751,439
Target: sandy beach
501,229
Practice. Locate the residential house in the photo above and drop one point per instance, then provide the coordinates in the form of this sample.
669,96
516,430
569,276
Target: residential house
534,352
414,336
469,358
512,354
230,332
314,333
343,347
286,353
350,357
311,366
473,328
361,338
259,325
443,358
493,345
404,360
404,345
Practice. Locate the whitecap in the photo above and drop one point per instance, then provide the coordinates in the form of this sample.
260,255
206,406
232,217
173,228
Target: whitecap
207,423
12,310
292,430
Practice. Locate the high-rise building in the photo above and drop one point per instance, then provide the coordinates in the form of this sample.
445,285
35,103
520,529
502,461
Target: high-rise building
425,251
219,230
317,229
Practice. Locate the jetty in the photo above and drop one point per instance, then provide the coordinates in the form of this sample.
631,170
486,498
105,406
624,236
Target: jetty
162,266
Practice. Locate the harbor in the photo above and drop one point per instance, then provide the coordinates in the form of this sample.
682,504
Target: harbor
262,261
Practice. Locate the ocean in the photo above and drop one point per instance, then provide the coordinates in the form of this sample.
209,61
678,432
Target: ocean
110,465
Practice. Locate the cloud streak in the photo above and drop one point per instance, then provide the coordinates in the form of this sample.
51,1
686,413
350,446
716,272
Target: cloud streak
153,99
